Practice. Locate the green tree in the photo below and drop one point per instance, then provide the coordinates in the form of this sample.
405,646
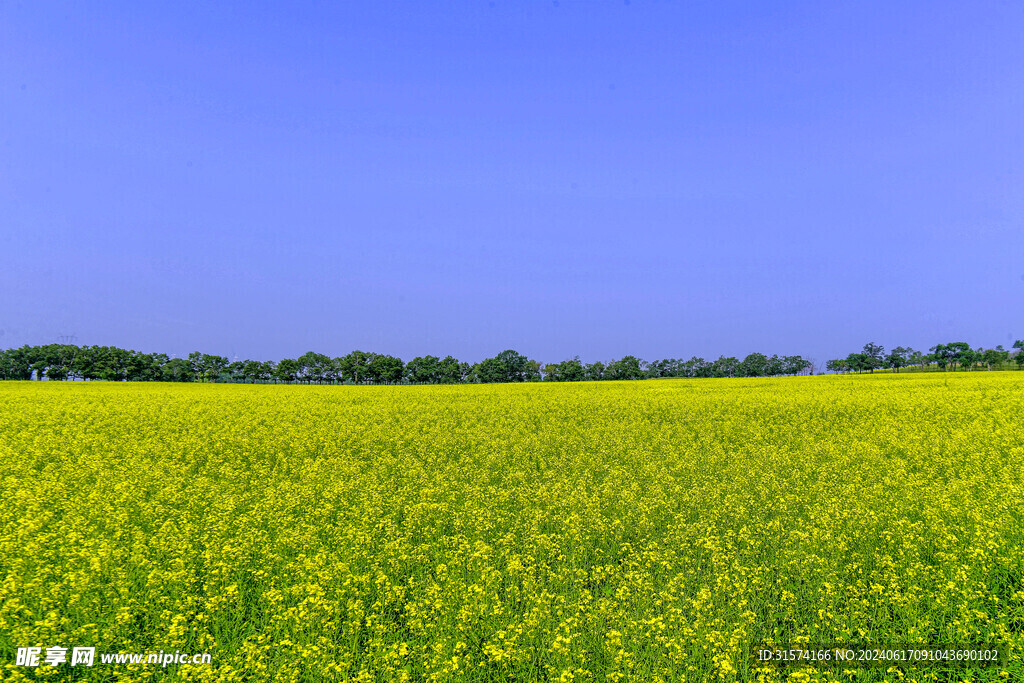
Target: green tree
355,366
213,366
236,371
452,371
386,369
794,365
724,366
507,366
970,357
313,367
754,365
992,357
287,370
835,365
88,363
960,353
873,354
566,371
698,367
897,358
268,371
669,367
195,359
144,367
626,368
251,370
423,370
178,370
15,364
857,362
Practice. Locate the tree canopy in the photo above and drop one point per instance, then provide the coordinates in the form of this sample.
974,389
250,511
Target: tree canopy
950,356
108,363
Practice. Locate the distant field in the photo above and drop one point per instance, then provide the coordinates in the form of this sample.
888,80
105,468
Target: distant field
599,531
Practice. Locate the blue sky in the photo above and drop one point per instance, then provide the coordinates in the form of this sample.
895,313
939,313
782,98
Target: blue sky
663,179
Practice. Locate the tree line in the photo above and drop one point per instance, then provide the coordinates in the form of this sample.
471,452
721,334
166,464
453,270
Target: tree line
951,356
110,363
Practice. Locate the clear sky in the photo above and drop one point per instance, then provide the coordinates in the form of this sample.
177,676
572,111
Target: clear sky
662,179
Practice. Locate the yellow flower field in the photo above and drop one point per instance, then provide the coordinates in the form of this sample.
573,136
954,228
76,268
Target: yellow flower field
603,531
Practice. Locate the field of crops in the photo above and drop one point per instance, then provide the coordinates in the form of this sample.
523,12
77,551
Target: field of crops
636,531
